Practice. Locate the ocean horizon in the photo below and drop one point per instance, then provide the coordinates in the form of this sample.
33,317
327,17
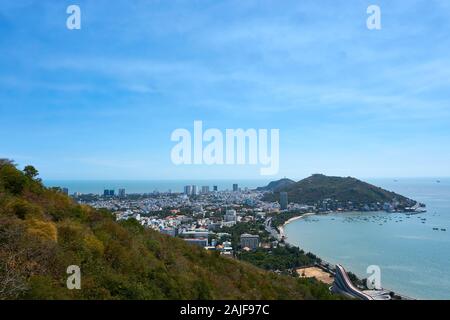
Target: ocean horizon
149,186
96,186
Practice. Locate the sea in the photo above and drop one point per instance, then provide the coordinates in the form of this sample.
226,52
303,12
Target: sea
412,251
149,186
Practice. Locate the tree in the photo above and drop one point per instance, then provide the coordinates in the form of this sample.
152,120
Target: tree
5,162
11,179
31,172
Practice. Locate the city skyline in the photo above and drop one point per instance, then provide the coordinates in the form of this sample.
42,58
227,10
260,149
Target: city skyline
102,102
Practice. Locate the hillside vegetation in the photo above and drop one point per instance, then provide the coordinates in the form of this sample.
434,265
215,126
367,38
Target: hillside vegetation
277,185
42,232
318,187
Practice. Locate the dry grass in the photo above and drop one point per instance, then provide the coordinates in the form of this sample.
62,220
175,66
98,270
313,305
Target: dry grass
315,272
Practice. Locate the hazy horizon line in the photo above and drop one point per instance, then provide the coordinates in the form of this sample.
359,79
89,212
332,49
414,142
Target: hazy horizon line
240,179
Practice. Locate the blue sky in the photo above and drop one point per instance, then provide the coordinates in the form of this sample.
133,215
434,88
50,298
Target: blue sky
101,102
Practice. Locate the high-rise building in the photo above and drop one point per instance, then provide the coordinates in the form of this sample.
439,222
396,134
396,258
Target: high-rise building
122,193
283,200
215,188
194,190
188,190
235,187
65,191
108,193
205,189
249,241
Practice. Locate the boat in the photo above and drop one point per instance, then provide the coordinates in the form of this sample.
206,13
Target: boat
418,211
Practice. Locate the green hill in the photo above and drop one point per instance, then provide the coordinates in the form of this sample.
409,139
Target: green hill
42,232
319,187
278,185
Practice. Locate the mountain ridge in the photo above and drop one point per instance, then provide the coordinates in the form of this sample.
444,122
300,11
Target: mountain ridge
318,188
276,185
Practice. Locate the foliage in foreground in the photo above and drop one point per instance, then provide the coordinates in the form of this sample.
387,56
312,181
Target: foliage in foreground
42,232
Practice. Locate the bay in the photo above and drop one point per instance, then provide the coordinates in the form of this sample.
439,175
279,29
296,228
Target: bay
413,257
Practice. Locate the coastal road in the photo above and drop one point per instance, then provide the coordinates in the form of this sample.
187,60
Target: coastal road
273,232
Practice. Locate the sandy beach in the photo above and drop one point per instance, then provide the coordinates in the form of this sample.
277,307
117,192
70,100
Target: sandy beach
281,228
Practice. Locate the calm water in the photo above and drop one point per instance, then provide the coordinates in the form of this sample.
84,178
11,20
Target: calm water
414,259
148,186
